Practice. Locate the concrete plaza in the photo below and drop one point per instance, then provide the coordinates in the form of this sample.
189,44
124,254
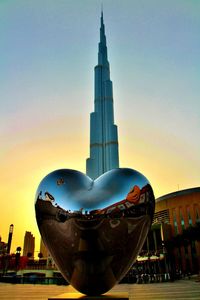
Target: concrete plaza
183,289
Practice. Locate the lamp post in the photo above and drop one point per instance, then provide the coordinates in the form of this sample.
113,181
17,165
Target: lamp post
17,258
165,257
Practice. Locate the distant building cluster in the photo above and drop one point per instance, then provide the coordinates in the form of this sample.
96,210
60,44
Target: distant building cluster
5,247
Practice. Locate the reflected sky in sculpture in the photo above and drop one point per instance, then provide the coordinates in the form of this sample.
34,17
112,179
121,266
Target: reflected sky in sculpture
62,185
94,230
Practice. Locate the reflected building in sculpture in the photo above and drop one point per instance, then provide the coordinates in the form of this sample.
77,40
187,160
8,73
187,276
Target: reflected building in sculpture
103,132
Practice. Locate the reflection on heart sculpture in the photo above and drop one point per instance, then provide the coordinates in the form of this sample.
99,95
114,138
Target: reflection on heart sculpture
94,230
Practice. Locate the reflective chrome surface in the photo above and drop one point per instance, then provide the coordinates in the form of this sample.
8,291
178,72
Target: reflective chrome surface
94,229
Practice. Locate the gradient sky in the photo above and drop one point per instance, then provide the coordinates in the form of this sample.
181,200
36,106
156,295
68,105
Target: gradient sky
48,50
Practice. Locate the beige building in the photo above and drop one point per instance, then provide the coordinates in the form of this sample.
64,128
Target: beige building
180,211
43,250
29,244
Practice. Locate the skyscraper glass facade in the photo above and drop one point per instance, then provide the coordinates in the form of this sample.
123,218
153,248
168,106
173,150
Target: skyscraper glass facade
103,132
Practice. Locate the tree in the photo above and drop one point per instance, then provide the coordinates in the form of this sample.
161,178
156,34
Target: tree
40,255
29,254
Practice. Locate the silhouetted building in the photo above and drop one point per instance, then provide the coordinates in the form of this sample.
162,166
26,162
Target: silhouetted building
3,247
103,132
29,244
10,234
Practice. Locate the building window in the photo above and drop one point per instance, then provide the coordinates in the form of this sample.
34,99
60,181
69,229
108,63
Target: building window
161,216
189,217
182,221
197,216
175,222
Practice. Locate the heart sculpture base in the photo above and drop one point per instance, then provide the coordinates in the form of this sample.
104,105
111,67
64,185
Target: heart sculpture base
94,230
77,296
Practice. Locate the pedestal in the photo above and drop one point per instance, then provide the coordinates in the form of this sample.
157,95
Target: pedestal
76,296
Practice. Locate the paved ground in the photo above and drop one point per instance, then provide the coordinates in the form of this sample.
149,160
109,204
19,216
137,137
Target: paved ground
183,289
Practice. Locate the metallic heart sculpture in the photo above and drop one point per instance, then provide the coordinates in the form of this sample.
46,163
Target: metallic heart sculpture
94,230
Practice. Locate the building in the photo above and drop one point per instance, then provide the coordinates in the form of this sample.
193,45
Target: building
45,256
10,234
43,250
29,244
3,247
173,243
103,132
181,210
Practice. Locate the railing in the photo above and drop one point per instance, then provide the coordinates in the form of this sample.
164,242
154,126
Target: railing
39,267
33,280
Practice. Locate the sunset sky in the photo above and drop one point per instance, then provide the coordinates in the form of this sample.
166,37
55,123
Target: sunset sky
48,50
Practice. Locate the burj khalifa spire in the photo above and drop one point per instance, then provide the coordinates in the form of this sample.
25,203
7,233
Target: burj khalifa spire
103,132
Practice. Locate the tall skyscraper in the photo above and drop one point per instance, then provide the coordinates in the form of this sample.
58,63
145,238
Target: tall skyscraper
10,234
29,244
103,132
